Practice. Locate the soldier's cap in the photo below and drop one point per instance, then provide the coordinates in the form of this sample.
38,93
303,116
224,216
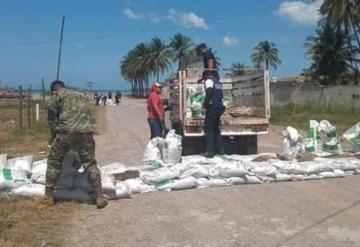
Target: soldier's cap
55,84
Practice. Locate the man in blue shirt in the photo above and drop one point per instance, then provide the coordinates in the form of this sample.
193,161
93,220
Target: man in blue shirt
208,58
214,109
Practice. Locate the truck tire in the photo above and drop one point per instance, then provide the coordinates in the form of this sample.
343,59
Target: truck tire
240,144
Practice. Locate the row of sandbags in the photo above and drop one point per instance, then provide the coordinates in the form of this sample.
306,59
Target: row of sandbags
199,172
22,176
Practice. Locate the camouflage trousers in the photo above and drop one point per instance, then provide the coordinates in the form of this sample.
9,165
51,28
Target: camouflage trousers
85,146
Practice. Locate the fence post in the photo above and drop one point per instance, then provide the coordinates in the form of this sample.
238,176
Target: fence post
29,109
43,104
20,107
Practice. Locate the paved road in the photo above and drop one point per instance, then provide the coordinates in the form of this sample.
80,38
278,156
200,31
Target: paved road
313,213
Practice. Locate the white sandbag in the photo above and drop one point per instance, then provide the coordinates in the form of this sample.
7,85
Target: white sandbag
152,150
197,171
30,190
312,141
298,177
107,182
289,167
73,195
38,172
218,182
331,142
114,168
345,165
334,174
267,179
174,148
313,177
261,168
22,163
231,169
178,184
159,175
353,136
315,167
214,172
136,185
236,180
212,182
292,144
282,177
11,178
122,190
252,180
3,160
194,159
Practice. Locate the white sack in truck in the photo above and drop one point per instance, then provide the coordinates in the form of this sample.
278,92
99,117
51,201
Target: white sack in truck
113,168
122,190
136,185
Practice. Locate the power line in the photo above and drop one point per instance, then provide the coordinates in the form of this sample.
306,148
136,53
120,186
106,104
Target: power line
140,30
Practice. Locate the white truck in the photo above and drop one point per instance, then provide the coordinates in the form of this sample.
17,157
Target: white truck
247,101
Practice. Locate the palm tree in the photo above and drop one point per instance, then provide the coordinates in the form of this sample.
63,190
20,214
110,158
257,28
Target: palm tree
267,53
343,14
237,69
332,60
159,56
181,46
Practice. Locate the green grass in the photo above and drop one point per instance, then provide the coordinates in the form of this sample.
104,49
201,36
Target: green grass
298,116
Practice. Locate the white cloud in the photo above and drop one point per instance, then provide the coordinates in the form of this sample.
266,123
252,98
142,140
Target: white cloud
230,41
300,12
189,19
131,14
154,18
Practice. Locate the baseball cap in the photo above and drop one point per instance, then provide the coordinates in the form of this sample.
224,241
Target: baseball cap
156,85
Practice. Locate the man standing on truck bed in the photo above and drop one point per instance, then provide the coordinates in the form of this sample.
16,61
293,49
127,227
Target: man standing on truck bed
214,109
73,129
156,112
209,60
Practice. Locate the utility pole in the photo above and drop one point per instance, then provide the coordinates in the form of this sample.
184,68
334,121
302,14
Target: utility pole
60,47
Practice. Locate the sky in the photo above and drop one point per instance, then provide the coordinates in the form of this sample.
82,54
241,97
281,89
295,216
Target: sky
98,34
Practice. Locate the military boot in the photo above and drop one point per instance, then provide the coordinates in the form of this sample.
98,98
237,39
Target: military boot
48,199
101,201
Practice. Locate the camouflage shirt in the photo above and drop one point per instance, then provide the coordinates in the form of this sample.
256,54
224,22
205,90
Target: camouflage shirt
72,110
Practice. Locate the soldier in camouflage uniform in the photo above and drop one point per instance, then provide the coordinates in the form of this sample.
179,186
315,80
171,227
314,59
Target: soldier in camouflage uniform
69,111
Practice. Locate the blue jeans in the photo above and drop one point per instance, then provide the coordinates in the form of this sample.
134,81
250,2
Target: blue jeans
214,142
156,128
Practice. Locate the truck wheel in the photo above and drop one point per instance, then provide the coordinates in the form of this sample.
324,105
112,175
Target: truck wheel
240,144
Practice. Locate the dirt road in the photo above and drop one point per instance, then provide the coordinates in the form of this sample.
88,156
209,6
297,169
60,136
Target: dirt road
314,213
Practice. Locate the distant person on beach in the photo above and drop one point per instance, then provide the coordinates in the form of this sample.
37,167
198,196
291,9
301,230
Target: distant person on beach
110,97
104,99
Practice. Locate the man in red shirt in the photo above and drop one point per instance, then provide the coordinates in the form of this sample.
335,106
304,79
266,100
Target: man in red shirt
156,112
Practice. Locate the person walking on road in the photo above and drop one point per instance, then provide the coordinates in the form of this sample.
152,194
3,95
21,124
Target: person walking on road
214,108
156,112
209,60
74,129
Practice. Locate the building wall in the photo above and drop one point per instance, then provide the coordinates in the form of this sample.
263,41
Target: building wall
314,93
